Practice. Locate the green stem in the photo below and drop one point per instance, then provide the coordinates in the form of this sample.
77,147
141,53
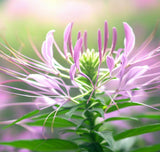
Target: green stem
104,76
94,145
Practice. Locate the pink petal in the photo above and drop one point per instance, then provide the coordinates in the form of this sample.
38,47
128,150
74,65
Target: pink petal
44,101
79,35
46,82
42,81
147,79
106,36
123,65
110,63
129,41
49,42
114,40
47,48
135,73
85,40
77,50
67,33
112,85
150,61
72,71
100,45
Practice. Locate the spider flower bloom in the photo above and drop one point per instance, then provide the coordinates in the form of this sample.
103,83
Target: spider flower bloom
127,72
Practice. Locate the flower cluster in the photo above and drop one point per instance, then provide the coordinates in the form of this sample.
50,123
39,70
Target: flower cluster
124,73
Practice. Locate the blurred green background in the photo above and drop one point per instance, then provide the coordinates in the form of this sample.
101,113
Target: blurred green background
23,18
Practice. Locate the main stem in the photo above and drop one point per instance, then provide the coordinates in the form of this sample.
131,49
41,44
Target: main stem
94,144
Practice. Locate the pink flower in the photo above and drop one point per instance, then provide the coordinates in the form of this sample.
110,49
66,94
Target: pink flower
126,75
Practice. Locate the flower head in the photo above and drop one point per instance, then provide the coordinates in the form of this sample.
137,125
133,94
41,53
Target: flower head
126,70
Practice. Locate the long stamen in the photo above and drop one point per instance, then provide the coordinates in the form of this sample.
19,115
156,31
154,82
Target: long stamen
70,43
114,40
100,45
106,37
9,81
85,40
35,49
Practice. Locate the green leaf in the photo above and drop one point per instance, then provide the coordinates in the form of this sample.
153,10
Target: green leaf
62,112
28,115
108,137
43,145
99,111
77,131
138,131
114,119
42,116
71,112
93,104
149,116
119,118
106,149
127,104
122,100
58,122
125,145
152,148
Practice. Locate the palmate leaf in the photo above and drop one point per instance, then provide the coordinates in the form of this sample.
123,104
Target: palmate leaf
138,131
152,148
28,115
59,122
48,145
